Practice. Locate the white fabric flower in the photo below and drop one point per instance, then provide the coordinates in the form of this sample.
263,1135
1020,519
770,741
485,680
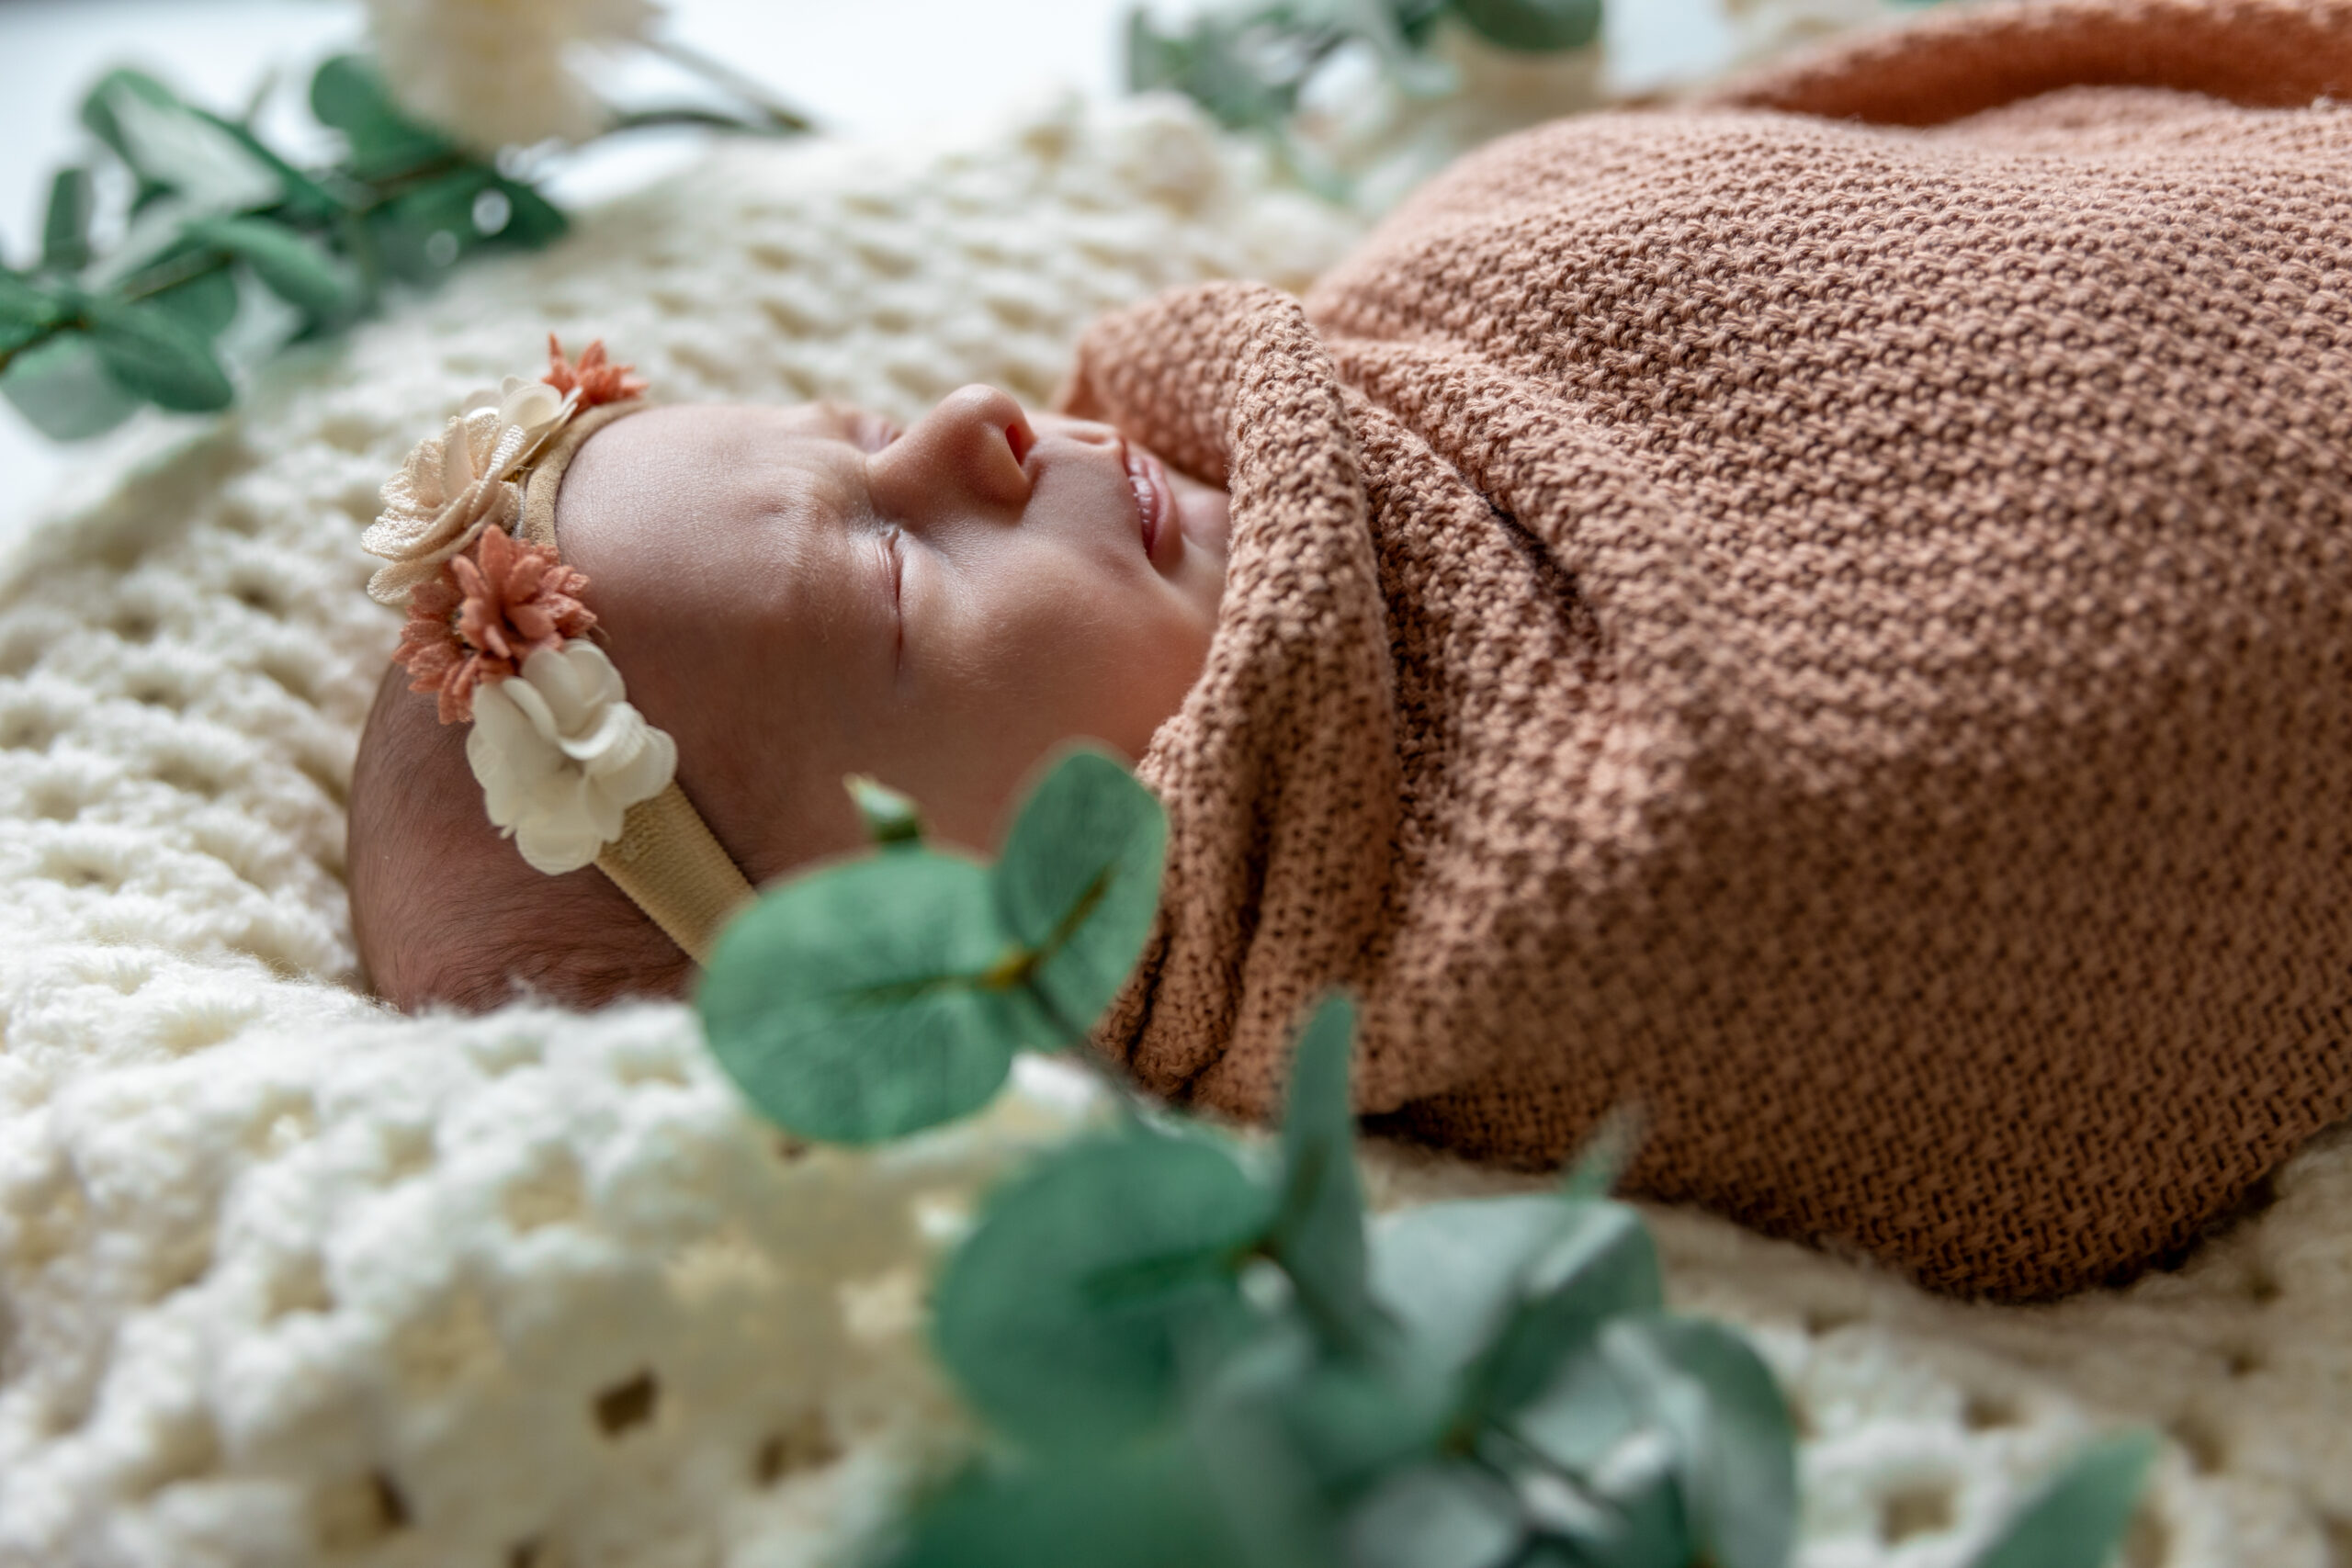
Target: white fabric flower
455,485
502,73
562,755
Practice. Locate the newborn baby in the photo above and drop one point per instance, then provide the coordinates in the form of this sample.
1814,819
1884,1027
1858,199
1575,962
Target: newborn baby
1821,615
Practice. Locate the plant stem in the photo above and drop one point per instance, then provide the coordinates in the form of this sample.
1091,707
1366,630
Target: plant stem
781,116
717,120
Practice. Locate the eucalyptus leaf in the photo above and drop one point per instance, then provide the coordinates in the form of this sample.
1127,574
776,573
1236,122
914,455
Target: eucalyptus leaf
99,106
1607,1150
302,196
65,229
174,147
1256,1481
1735,1448
157,358
1602,1265
1584,1414
26,313
1416,19
1096,1283
532,221
1213,65
1439,1514
889,818
1318,1228
2079,1519
204,305
1079,881
64,390
1629,1514
293,266
1352,1418
426,230
1130,1507
1450,1274
847,1003
349,95
1532,27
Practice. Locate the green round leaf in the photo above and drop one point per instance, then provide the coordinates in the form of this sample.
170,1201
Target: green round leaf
294,267
1096,1280
1532,27
845,1002
26,313
889,818
1079,881
1318,1228
1454,1275
1440,1514
347,94
1601,1266
532,220
156,358
1140,1508
204,305
63,390
65,230
2078,1520
98,108
1734,1446
1581,1417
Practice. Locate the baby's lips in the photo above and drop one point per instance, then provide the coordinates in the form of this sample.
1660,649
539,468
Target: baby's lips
1163,538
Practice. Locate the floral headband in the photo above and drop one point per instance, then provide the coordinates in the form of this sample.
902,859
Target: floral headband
497,633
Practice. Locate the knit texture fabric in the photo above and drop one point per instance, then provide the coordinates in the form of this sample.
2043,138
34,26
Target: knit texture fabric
1834,636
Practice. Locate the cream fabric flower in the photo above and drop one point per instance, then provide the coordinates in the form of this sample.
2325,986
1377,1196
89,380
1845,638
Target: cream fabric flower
455,485
502,73
561,756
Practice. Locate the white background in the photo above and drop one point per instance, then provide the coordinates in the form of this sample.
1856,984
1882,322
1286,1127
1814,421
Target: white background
856,65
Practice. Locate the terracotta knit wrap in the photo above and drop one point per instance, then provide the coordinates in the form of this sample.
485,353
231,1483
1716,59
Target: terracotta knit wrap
1837,636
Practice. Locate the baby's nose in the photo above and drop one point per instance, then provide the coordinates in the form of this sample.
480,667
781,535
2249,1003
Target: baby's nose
967,452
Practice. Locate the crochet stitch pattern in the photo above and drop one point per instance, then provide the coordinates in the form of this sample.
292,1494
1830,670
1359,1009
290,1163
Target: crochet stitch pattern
287,1280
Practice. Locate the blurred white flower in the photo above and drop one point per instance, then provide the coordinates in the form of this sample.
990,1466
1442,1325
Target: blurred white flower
562,755
503,73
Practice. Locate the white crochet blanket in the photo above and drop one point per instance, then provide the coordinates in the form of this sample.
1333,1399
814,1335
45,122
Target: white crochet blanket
286,1278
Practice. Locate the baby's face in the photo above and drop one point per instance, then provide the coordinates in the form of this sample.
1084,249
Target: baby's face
798,593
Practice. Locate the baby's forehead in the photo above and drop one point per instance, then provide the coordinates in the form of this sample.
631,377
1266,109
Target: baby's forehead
737,461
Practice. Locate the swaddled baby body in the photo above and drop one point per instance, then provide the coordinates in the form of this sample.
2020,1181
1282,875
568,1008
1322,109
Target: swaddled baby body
1833,634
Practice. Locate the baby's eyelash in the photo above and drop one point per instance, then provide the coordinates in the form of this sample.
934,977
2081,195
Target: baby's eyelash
892,542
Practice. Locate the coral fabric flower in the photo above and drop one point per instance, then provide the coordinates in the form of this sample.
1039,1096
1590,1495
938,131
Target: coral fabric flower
454,486
503,73
484,616
561,756
594,379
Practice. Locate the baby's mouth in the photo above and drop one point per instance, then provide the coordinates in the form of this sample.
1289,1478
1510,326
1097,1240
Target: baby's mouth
1155,506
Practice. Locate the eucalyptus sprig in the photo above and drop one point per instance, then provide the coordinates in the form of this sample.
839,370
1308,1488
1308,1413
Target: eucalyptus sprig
1249,63
1190,1350
112,317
